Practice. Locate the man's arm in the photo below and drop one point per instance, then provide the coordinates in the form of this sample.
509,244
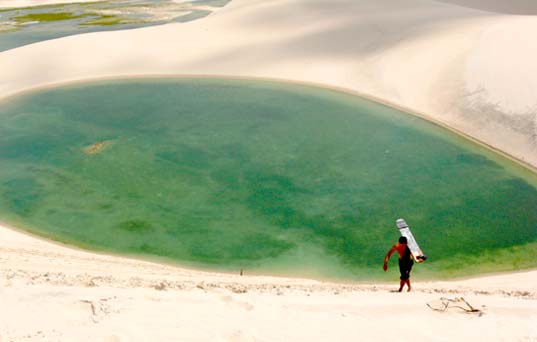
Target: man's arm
387,257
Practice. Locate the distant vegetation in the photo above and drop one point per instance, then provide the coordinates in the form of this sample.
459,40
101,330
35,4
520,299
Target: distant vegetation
21,26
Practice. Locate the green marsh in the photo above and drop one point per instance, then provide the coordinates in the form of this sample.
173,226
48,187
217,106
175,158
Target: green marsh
271,178
44,17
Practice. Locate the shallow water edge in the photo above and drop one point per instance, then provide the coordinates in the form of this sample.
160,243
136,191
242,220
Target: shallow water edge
500,161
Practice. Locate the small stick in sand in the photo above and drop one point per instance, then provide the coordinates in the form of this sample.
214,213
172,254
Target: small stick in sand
451,303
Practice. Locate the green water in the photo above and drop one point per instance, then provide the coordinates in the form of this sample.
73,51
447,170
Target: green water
271,178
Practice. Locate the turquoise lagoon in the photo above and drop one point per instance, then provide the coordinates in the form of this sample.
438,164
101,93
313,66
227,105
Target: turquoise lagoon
266,177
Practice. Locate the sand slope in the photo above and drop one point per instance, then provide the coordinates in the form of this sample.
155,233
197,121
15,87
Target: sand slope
469,69
521,7
49,293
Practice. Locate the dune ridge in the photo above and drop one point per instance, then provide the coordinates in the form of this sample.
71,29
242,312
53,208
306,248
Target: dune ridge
520,7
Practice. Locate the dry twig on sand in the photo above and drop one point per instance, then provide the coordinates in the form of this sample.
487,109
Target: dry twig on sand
457,302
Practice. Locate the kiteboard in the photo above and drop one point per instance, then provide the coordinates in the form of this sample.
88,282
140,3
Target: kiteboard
404,229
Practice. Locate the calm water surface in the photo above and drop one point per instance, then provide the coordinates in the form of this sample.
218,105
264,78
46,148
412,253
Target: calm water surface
272,178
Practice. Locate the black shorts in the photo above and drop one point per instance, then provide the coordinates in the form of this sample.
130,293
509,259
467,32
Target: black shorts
405,267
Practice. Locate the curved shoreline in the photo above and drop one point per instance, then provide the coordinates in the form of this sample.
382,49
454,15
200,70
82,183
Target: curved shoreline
273,82
321,86
107,297
58,245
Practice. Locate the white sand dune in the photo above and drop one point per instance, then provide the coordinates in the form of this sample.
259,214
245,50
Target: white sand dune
53,293
470,69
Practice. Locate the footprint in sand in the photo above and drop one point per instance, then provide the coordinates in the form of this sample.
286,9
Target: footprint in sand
244,305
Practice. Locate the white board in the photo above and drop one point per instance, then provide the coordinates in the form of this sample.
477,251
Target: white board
404,229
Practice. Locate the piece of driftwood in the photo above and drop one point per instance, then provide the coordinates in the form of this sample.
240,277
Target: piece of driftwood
457,303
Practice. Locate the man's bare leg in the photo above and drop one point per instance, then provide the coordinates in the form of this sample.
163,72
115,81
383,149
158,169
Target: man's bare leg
401,284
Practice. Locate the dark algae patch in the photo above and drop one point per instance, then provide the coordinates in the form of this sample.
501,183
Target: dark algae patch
22,195
135,226
260,176
44,17
110,20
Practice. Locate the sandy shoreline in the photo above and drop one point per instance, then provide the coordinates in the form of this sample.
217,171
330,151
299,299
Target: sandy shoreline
110,298
407,110
522,280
